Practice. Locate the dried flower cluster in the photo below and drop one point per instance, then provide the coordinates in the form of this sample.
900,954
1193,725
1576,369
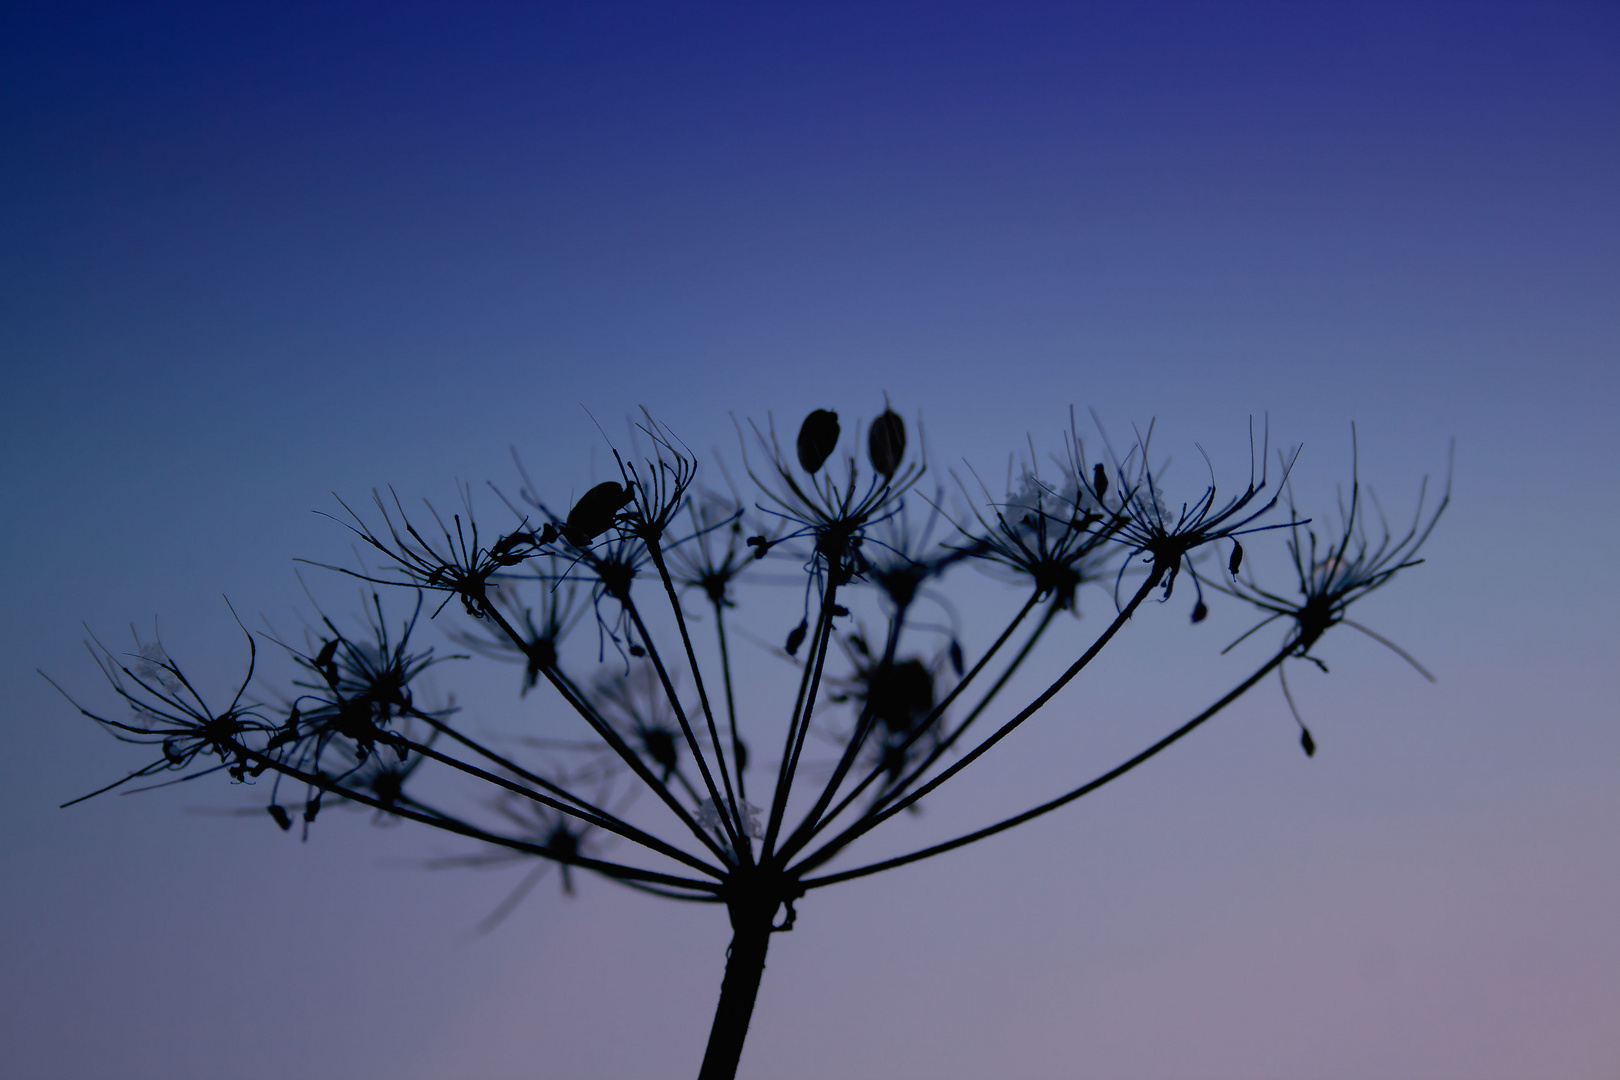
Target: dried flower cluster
636,744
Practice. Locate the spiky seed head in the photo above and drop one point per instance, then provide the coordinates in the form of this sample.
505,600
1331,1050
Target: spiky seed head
593,514
818,436
886,442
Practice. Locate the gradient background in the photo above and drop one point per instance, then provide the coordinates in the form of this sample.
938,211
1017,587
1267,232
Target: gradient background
250,258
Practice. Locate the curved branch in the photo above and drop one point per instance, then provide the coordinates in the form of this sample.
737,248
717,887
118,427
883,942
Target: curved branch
1062,800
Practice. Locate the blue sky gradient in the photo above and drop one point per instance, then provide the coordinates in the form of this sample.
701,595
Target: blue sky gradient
258,254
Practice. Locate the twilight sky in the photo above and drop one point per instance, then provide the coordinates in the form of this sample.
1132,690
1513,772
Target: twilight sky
254,255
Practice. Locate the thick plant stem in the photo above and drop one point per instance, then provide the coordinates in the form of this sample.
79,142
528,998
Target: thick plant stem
745,963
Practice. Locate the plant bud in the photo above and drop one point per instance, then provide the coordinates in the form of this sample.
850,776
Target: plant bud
818,436
886,442
796,638
1200,612
1306,741
1099,480
1237,559
281,816
593,514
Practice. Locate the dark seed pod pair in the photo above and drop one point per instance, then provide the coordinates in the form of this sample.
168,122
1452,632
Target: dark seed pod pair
818,436
593,514
886,442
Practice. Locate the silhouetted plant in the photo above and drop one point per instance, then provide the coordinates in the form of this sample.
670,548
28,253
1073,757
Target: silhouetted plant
896,698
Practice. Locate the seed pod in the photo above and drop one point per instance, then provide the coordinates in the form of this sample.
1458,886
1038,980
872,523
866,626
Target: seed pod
886,442
1200,612
796,638
1099,480
593,514
818,436
504,549
283,818
1306,741
312,807
1236,560
328,651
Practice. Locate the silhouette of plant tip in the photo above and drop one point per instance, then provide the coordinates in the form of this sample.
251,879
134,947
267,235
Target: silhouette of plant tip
795,637
1236,560
1306,742
818,438
1200,612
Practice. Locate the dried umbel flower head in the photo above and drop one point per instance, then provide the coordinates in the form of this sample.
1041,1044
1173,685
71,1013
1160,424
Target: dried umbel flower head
1334,572
1056,538
632,767
1167,538
831,510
